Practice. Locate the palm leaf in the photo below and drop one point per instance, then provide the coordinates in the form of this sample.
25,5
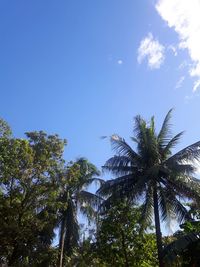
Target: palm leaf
95,180
111,185
119,165
178,247
87,198
164,205
172,206
172,143
189,153
165,132
147,210
123,149
184,186
122,189
177,168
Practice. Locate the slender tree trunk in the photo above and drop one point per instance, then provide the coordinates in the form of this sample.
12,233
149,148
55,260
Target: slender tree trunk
157,225
61,251
62,243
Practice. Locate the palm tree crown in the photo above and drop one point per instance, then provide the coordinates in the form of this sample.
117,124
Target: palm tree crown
152,174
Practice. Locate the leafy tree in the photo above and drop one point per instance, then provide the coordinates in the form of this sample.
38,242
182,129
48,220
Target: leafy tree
28,194
119,240
152,175
85,255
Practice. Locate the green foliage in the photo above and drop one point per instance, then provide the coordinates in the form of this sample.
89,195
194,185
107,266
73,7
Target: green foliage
119,240
5,130
39,194
28,195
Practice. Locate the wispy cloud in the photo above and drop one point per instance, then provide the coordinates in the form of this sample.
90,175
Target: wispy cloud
152,50
180,82
183,17
196,85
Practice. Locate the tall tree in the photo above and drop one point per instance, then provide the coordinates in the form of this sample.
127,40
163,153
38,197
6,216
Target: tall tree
28,194
78,175
152,175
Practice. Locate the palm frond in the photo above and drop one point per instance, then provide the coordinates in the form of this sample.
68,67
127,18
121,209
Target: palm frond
178,247
147,140
147,210
165,132
140,129
125,188
88,212
85,198
172,143
184,186
95,180
123,149
189,153
164,205
134,139
111,185
177,168
177,207
119,165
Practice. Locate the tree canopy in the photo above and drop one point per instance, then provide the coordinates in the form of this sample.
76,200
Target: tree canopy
42,197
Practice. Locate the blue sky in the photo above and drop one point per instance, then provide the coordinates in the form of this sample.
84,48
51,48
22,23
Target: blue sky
84,69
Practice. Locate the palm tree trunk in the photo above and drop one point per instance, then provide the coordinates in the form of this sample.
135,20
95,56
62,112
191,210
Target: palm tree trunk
157,225
62,242
61,251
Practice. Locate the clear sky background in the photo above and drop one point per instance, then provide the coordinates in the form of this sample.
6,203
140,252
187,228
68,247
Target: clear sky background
84,69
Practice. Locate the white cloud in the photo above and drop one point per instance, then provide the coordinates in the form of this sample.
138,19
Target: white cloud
196,85
152,50
180,82
184,17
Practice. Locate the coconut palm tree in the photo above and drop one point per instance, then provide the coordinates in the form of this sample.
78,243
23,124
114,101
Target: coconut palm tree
79,175
152,175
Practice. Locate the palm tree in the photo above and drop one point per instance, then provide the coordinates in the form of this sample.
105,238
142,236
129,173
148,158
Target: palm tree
152,175
79,176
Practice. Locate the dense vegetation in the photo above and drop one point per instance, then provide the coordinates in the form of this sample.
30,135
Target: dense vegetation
42,197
